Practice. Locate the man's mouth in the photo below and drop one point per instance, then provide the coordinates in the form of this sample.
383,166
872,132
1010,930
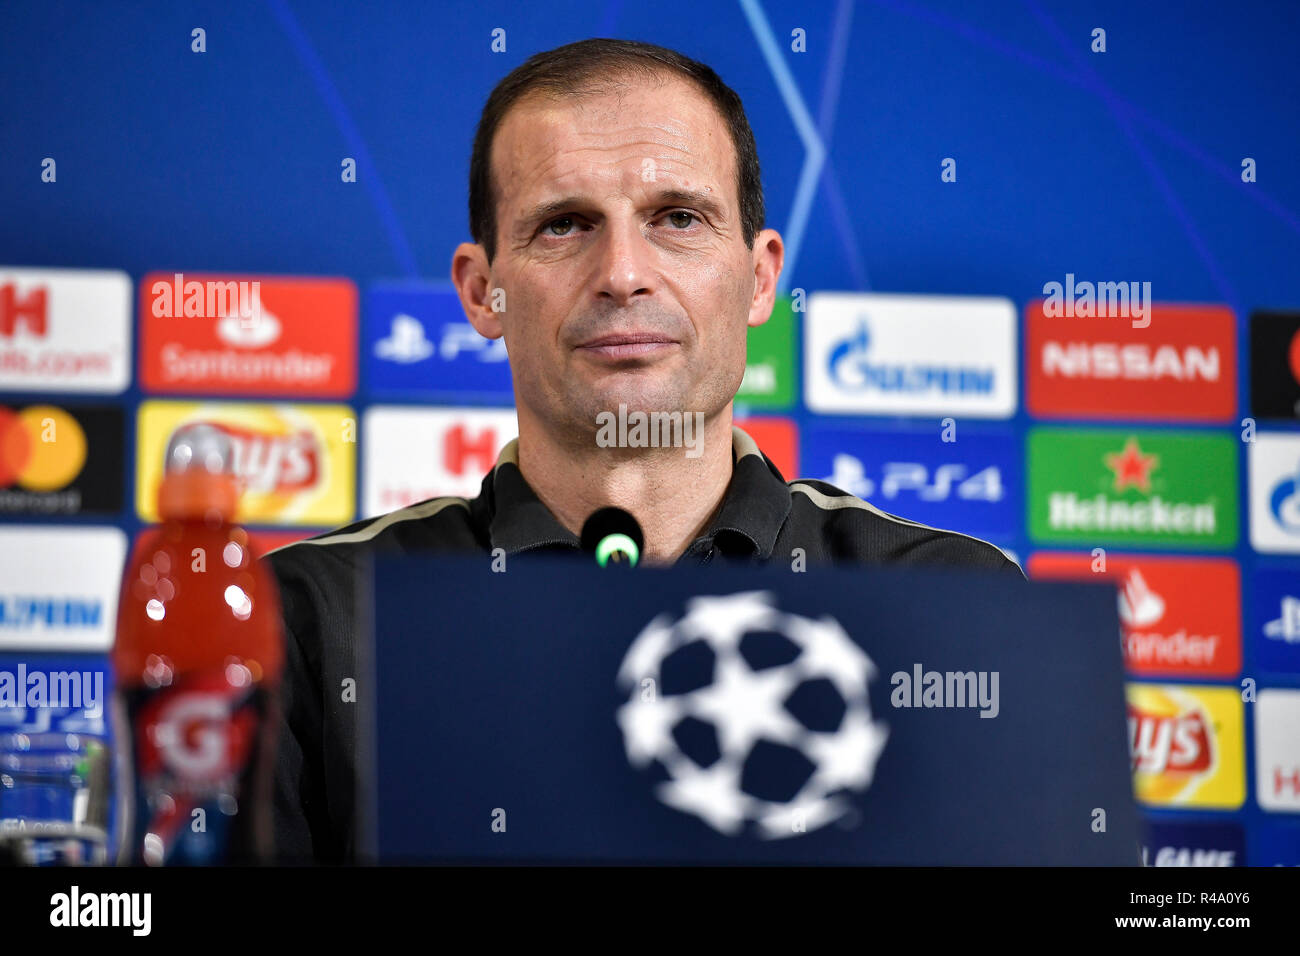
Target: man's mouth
620,345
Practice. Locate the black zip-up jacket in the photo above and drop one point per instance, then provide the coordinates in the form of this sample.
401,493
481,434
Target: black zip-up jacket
762,519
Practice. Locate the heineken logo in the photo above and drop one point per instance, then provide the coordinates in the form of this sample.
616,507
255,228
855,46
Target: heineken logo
1069,512
1099,486
1131,467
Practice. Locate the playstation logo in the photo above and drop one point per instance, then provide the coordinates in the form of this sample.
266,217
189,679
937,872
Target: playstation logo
405,342
1286,627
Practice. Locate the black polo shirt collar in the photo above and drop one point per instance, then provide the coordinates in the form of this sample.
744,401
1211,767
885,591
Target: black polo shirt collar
753,509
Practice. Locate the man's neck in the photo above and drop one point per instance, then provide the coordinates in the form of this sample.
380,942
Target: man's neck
672,496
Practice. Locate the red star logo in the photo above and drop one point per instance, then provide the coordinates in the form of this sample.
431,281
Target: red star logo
1131,467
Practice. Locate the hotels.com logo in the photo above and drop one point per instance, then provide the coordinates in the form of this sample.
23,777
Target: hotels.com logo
464,445
1277,749
268,335
28,312
64,330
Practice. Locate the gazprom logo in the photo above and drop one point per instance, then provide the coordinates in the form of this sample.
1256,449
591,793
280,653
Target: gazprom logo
25,611
1284,503
850,367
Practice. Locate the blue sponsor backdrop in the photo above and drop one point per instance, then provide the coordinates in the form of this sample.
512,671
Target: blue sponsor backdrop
416,342
45,747
1194,844
1274,842
1274,626
1124,166
972,483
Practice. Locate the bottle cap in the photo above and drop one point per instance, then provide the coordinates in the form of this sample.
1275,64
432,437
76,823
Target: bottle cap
198,475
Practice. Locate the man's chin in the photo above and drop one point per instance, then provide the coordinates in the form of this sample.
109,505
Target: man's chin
627,402
642,389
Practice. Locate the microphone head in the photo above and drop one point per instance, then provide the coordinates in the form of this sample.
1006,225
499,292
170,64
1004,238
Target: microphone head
613,536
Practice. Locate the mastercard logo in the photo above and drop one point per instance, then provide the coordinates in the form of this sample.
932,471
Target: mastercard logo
42,448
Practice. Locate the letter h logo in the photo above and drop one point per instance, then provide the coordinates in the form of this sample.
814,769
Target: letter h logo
31,310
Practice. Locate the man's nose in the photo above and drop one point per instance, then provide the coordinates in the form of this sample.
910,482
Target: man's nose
625,262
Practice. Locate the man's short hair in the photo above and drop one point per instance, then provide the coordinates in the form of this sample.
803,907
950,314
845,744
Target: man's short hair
590,67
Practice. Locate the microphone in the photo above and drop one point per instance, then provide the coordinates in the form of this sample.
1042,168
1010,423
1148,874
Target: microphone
613,536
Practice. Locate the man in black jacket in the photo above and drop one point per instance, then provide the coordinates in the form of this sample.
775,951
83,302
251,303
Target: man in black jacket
617,211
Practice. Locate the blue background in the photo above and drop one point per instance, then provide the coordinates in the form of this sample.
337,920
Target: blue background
1118,165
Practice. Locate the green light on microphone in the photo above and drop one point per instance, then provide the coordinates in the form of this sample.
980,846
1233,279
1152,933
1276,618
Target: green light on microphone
614,544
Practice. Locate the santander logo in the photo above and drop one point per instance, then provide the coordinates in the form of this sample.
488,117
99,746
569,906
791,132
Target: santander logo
269,334
1179,616
1139,606
256,330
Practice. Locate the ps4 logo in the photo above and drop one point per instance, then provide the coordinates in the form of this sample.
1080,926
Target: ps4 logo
898,477
1286,627
406,342
461,337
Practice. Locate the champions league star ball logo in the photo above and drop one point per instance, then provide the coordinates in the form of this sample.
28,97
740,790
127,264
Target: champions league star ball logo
756,716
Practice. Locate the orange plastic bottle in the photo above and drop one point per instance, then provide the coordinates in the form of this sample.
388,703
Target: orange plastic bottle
197,663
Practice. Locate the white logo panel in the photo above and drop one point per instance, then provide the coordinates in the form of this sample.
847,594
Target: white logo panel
412,454
65,330
1277,750
59,587
1275,493
873,354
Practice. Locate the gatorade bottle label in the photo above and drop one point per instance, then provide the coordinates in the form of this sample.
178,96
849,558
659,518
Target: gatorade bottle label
197,744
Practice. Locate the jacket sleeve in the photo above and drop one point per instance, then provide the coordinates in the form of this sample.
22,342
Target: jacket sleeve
299,802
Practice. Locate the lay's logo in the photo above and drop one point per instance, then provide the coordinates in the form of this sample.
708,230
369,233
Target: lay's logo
296,463
1161,743
1186,745
270,463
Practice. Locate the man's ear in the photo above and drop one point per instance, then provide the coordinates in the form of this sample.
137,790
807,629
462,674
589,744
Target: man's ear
472,277
769,256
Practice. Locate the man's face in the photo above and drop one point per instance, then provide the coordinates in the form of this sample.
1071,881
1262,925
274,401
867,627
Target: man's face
625,274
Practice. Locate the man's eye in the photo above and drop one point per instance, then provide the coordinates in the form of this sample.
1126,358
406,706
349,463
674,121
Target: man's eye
564,225
562,219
